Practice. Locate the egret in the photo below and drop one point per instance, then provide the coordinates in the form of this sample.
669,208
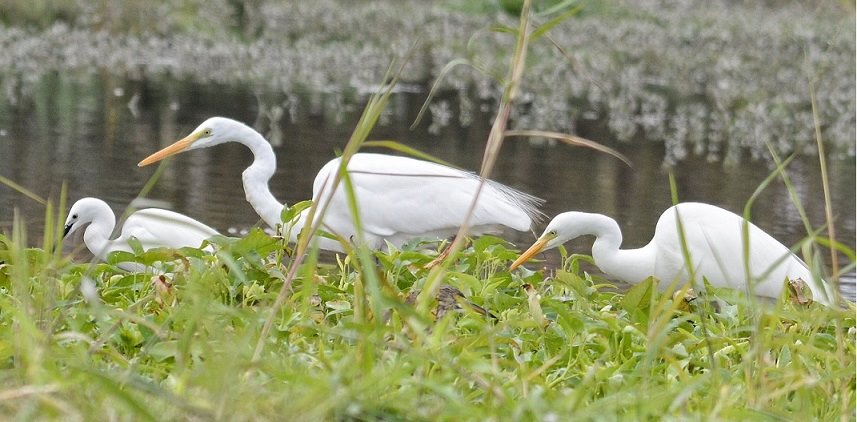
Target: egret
714,240
398,198
152,227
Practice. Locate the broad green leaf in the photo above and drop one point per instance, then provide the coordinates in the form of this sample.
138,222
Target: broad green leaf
154,255
255,242
116,257
639,297
135,245
289,213
576,282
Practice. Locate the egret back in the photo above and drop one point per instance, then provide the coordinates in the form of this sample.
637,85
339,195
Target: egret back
401,198
155,227
715,242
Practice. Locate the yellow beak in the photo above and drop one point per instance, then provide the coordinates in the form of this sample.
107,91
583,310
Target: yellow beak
173,149
536,248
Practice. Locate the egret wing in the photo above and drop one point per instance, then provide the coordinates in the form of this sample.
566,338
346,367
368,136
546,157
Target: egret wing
405,196
155,227
715,240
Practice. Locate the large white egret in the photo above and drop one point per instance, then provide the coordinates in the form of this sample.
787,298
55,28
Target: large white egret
398,198
152,227
714,240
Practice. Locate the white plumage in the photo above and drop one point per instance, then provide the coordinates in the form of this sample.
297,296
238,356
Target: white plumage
399,198
402,198
714,240
152,227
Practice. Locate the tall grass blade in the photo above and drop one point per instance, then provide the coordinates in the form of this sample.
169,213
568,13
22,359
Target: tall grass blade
397,146
436,85
571,140
371,114
26,192
793,195
688,262
745,227
547,26
825,186
847,406
492,151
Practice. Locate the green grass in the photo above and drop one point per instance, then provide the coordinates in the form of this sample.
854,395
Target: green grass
571,346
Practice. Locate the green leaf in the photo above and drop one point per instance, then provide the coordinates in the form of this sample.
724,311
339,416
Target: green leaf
118,391
289,213
116,257
135,244
503,29
482,243
547,26
327,293
191,252
841,247
563,5
639,297
255,242
163,351
153,255
576,282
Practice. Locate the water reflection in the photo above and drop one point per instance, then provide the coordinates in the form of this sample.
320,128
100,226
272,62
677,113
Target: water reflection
82,132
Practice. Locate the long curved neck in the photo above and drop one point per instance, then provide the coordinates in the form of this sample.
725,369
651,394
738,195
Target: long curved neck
256,177
628,265
97,234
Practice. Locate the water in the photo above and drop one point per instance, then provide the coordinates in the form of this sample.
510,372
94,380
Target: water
91,132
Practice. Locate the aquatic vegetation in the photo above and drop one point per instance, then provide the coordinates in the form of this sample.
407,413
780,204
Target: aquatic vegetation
713,79
89,341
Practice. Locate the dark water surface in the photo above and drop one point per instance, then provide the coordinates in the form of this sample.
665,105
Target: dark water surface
90,133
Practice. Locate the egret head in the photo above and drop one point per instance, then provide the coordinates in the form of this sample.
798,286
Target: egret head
214,131
561,229
83,212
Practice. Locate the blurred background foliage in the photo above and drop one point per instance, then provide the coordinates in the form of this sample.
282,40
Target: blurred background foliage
713,79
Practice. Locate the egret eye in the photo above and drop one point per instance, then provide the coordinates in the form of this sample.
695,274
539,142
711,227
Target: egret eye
206,132
74,216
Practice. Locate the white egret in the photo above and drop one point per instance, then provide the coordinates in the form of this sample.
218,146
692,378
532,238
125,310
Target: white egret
152,227
398,198
714,241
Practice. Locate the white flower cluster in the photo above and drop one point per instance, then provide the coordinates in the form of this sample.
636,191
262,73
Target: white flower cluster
719,79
